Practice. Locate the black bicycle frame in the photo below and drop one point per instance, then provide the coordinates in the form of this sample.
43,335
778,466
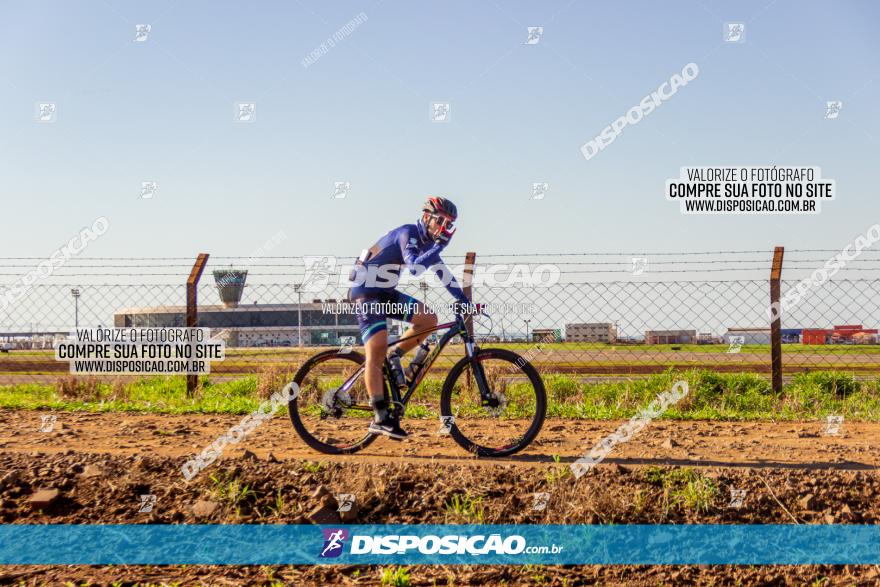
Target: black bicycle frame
455,328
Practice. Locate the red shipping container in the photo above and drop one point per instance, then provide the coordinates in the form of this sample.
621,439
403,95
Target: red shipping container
814,336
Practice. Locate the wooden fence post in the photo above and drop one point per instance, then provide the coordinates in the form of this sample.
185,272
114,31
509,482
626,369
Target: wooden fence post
467,286
776,320
192,308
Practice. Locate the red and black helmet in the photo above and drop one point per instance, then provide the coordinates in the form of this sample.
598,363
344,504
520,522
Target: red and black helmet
437,205
445,213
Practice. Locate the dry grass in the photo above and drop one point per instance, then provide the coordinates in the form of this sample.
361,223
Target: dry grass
91,389
87,389
118,390
273,378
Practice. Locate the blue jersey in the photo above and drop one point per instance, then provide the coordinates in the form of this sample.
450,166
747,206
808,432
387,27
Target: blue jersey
407,246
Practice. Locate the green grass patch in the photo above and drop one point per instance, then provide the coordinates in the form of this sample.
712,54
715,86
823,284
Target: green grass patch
156,395
711,396
684,488
396,577
465,509
719,396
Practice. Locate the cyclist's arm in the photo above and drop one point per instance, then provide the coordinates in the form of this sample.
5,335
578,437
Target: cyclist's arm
452,286
414,260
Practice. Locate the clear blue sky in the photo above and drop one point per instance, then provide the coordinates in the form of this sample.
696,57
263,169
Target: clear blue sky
163,110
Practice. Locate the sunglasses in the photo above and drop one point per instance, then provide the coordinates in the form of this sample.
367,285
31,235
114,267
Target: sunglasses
446,224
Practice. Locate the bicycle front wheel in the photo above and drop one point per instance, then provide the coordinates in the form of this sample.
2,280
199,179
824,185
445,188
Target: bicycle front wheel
512,415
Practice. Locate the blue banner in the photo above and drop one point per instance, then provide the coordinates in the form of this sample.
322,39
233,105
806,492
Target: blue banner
438,544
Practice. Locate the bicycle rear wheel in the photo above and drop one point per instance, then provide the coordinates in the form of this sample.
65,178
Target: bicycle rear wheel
513,417
332,411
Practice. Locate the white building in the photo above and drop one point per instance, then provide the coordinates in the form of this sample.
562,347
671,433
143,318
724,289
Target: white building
670,336
320,323
591,332
747,335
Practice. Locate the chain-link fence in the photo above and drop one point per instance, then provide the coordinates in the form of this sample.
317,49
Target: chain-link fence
608,315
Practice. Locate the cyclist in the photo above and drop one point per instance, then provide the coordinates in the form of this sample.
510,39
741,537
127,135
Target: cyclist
415,247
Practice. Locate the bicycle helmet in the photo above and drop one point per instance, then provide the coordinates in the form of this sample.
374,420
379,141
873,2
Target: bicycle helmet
444,213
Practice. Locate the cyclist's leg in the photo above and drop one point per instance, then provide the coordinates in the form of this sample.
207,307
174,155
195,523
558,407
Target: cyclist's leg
418,315
374,335
375,347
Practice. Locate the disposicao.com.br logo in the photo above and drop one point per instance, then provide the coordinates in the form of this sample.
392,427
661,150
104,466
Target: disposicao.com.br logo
334,541
454,544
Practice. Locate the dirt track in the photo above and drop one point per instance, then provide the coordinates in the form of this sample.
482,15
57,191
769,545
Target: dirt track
105,488
700,443
102,463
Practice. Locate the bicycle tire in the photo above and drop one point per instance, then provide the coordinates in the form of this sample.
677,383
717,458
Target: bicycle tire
540,403
293,406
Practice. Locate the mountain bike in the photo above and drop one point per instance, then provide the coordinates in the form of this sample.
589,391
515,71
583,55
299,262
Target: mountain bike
492,402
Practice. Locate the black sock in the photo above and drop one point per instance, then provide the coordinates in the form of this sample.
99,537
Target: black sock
380,408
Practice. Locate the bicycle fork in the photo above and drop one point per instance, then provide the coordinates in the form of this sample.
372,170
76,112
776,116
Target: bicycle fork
487,398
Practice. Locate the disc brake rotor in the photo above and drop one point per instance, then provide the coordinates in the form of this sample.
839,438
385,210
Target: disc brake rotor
500,402
334,402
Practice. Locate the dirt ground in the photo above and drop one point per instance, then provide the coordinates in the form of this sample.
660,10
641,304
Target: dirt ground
100,465
808,445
